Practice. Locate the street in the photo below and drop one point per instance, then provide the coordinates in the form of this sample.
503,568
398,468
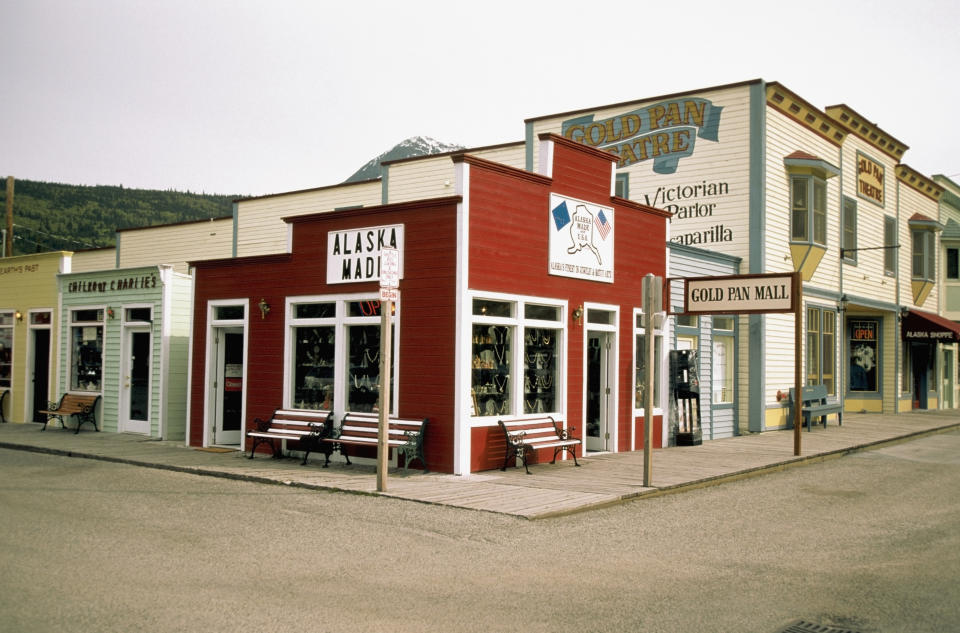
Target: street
870,542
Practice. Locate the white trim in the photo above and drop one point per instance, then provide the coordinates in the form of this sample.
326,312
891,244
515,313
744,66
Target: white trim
614,329
210,361
546,158
461,401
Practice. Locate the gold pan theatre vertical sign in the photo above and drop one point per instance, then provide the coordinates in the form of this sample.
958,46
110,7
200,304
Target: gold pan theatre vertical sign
869,179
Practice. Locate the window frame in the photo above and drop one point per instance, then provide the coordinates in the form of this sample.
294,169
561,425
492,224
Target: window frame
75,323
951,264
926,255
639,352
817,339
341,322
890,242
811,208
848,229
522,334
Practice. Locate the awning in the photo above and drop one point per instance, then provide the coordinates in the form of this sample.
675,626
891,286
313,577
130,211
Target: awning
925,326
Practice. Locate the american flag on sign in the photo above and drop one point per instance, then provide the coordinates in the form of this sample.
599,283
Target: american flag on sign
603,227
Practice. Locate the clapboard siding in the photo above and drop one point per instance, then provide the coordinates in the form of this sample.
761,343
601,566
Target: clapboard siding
176,244
260,226
425,323
95,259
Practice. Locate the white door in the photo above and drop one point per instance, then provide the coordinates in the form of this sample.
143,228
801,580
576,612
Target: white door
228,386
135,386
598,392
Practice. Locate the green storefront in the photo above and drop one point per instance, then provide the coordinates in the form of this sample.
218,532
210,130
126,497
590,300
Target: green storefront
124,336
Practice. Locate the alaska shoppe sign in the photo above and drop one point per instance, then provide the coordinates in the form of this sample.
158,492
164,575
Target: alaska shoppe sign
354,255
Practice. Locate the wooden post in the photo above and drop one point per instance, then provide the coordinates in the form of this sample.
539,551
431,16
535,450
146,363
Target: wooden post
797,290
9,239
651,293
386,345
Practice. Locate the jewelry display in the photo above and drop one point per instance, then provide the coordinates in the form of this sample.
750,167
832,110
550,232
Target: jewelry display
491,369
540,370
314,367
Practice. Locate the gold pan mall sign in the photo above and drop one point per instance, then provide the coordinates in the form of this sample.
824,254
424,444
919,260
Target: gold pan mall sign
741,294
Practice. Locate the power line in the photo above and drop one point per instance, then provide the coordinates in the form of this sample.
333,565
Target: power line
58,237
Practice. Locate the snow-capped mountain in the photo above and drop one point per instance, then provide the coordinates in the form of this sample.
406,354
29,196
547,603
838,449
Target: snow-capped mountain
414,146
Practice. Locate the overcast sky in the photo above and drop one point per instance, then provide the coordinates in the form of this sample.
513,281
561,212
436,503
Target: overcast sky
248,98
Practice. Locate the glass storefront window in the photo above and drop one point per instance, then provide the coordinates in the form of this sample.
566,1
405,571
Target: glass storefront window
86,350
863,355
313,367
363,386
540,370
491,369
641,370
496,388
319,378
723,355
6,348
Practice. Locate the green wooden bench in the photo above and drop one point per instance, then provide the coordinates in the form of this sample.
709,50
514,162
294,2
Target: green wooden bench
83,407
814,404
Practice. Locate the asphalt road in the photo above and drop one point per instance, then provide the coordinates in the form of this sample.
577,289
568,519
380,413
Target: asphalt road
869,542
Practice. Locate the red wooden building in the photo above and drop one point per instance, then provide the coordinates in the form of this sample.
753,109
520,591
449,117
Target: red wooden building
521,294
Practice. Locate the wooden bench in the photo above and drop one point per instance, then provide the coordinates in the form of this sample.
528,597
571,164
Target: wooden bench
305,427
813,404
81,406
525,434
363,429
3,399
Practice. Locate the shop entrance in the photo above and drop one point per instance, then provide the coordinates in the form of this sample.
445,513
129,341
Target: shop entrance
40,383
949,363
599,391
920,357
135,376
228,385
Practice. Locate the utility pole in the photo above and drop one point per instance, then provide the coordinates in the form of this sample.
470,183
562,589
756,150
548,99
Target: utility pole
9,234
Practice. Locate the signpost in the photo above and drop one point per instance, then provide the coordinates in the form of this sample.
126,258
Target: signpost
389,292
754,294
652,304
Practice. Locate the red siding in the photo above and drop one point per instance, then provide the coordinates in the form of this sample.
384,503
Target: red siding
509,244
428,302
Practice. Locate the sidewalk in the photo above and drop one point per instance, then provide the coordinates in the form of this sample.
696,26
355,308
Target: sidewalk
549,491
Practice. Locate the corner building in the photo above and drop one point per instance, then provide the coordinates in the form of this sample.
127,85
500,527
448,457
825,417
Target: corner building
519,293
753,171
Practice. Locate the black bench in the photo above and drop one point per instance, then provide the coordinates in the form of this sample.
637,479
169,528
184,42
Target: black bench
813,404
83,407
525,434
305,427
3,399
363,429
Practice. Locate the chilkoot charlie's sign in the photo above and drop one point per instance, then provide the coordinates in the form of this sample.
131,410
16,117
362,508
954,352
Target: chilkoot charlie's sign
354,255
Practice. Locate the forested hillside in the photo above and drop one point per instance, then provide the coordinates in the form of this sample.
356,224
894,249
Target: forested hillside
51,216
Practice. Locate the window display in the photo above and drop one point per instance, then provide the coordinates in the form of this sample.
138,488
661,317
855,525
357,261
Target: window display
540,370
319,376
313,367
86,349
863,355
491,369
496,389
